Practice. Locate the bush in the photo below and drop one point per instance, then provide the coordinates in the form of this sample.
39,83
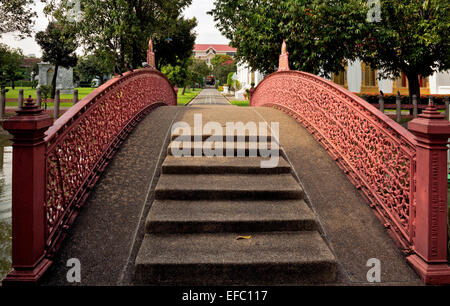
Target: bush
25,83
46,91
230,80
237,85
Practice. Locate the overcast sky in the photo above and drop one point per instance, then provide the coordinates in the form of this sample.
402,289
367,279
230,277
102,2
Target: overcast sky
206,30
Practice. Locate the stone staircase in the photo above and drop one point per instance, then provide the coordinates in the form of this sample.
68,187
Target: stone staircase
204,204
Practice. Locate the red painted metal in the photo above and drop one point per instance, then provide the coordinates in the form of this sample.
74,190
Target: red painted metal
380,157
54,172
430,242
28,223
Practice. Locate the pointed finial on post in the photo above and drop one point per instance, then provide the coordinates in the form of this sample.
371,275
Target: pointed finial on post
150,54
283,47
284,58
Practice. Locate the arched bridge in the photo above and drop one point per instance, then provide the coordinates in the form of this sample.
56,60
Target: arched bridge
350,185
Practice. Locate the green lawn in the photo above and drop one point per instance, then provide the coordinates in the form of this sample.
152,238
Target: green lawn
27,91
240,102
188,95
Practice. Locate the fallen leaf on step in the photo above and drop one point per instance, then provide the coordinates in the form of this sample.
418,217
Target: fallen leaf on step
243,237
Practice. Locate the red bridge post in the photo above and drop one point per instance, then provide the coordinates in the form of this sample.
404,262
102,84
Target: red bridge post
28,193
430,240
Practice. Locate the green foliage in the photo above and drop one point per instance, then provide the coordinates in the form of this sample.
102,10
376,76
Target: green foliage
180,46
46,91
121,29
58,43
10,60
178,74
17,15
412,37
237,85
222,66
199,71
93,66
258,27
230,81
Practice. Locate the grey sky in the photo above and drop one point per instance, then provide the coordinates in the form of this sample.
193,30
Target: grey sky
206,30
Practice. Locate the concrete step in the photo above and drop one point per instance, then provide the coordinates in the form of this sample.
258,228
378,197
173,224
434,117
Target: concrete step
227,186
220,259
221,165
236,149
229,216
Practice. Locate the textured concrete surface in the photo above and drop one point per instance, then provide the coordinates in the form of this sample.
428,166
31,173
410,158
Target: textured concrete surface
110,228
104,234
209,96
265,258
352,230
199,209
229,216
221,165
228,186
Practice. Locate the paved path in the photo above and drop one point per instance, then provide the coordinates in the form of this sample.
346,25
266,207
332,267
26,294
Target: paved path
109,231
209,96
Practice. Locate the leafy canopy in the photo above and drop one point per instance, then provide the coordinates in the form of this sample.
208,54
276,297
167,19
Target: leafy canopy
10,60
16,15
319,36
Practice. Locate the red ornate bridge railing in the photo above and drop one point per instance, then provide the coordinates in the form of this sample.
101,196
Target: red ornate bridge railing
402,175
60,162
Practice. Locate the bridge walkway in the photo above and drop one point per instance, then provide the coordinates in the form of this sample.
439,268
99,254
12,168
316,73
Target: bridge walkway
108,233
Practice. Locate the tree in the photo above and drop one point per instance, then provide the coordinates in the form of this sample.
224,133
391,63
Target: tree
177,44
222,66
16,15
319,36
199,71
412,37
178,74
93,66
121,29
58,43
10,60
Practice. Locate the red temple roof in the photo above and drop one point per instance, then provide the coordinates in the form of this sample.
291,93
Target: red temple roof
223,48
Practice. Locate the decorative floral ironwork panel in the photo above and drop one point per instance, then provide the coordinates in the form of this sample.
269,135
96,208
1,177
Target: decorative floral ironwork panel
74,151
378,153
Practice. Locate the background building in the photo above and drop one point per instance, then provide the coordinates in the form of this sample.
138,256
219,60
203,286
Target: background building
360,78
206,52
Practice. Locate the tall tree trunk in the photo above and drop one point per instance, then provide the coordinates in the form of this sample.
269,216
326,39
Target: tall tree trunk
184,89
413,85
13,85
55,74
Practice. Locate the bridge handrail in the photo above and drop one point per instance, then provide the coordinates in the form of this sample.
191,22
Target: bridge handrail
129,96
402,174
331,114
61,161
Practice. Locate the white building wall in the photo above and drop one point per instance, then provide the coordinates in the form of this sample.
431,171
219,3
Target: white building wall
439,82
386,85
244,76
